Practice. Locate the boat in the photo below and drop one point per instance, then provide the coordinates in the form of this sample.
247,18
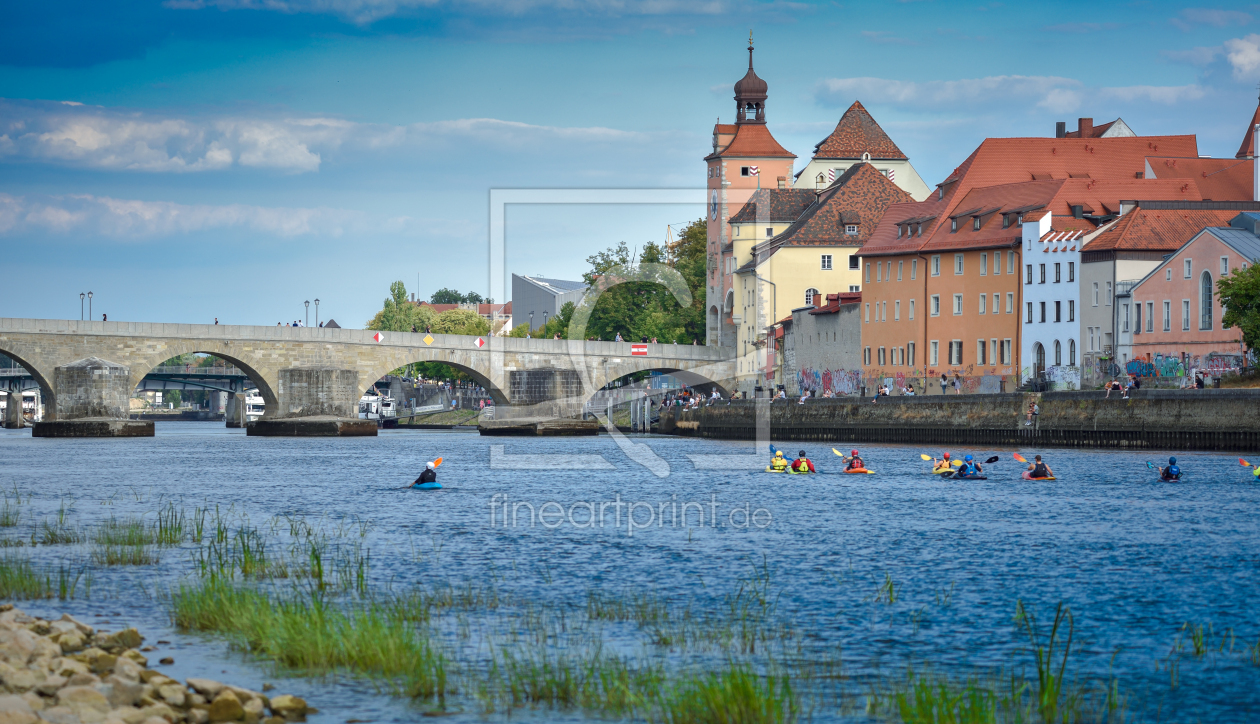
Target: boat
382,408
254,406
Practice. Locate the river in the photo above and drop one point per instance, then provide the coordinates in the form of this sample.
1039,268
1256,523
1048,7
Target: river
1134,559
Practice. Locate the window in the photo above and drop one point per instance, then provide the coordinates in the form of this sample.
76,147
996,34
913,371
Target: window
850,229
1186,263
1028,276
984,265
1205,301
1010,262
868,272
855,288
879,271
1224,265
1058,353
1150,316
1071,310
1095,294
957,304
898,231
1006,221
900,266
980,356
1168,275
1042,305
1029,313
1137,317
737,228
868,313
911,309
993,351
854,261
936,265
1071,353
1126,318
743,170
1091,339
997,262
881,357
1041,269
953,225
936,305
955,352
1057,269
883,311
1058,309
896,310
769,231
1006,351
914,268
1071,271
1109,295
958,264
910,353
820,181
810,295
866,356
826,261
975,223
1167,315
934,353
1010,302
997,303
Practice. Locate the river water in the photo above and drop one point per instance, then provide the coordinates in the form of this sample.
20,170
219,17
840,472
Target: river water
1134,559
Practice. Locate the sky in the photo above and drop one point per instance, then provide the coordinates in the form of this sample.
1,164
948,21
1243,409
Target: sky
187,160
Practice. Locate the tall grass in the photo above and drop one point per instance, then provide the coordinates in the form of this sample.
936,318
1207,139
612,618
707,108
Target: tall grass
10,513
733,694
58,534
126,532
19,580
124,555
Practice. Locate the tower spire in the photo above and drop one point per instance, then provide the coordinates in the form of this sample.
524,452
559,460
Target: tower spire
750,93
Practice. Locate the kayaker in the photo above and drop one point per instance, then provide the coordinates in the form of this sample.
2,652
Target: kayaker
855,461
778,463
942,464
429,475
970,468
802,464
1038,469
1172,472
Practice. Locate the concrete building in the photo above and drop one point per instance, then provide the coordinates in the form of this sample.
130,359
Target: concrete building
1052,258
856,139
535,300
819,348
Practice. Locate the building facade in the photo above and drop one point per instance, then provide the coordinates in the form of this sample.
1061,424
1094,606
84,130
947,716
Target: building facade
1052,260
819,347
858,138
536,300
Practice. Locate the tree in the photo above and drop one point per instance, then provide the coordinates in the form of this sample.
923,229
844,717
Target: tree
460,321
1240,296
400,315
451,296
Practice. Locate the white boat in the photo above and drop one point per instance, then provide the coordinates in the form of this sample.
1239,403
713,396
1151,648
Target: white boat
254,406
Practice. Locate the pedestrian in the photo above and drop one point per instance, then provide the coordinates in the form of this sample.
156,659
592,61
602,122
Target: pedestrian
216,321
1032,410
957,384
104,317
943,383
618,338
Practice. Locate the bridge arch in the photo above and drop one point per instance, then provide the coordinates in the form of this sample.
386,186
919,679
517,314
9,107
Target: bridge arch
704,377
257,373
410,355
23,356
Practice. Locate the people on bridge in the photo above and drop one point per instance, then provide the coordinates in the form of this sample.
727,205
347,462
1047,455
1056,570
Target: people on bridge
855,461
802,464
428,475
969,469
1171,471
778,463
1038,469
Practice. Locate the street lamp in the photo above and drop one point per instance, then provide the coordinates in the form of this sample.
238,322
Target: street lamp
81,295
308,312
89,305
531,321
544,321
316,311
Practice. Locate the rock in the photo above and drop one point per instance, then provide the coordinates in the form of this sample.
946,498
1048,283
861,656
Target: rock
60,715
16,646
226,707
35,700
268,687
161,711
254,711
72,642
83,680
290,707
173,694
125,639
104,664
51,684
274,720
148,675
20,680
68,667
245,694
83,697
206,687
135,656
125,715
83,628
128,669
16,710
126,692
196,700
166,661
198,716
156,720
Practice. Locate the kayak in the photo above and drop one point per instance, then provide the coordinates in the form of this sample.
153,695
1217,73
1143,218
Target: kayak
803,472
427,486
969,477
942,471
859,471
1027,475
772,470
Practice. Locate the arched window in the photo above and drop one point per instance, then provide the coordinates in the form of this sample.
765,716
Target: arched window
821,181
1039,354
1205,301
810,295
1071,353
1058,353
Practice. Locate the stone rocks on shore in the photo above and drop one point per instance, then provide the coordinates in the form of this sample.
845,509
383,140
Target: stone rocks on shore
66,672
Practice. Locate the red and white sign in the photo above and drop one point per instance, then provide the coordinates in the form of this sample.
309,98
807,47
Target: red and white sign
378,336
479,343
639,350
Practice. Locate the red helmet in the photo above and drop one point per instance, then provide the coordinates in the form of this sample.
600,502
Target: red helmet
947,456
853,453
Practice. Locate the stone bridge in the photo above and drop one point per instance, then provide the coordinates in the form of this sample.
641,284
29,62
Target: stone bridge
312,378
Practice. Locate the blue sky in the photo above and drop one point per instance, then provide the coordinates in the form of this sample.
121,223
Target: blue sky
192,159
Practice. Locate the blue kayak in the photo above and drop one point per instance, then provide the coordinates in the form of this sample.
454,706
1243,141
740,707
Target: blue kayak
427,486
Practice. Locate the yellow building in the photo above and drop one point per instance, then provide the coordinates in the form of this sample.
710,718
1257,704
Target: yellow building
791,247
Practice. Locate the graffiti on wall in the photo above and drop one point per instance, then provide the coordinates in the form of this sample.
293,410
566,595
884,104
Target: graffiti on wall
835,381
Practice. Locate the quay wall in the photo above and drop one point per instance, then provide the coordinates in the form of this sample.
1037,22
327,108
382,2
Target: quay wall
1226,419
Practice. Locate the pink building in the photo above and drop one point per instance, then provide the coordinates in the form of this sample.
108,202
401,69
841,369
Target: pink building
1177,314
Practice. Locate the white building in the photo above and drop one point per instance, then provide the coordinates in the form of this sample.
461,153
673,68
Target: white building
1052,260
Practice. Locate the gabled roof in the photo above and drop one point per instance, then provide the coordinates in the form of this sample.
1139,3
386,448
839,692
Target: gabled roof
1114,129
861,195
834,301
1219,179
554,286
752,140
774,205
1248,147
1241,241
857,133
1157,230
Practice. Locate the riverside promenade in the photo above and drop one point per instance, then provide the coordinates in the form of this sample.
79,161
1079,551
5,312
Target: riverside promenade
1180,419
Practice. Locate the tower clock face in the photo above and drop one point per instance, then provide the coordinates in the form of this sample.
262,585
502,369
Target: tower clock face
713,205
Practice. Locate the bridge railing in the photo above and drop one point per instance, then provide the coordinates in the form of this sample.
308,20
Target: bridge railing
194,370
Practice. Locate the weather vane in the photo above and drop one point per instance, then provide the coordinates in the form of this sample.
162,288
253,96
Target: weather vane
750,38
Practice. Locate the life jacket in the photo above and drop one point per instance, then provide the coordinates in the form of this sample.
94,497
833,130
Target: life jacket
855,463
778,463
969,469
1172,472
801,465
1040,471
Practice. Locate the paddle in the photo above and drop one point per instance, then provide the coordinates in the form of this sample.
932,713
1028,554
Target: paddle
1019,457
1244,463
921,455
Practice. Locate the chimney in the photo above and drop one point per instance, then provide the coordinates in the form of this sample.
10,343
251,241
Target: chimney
1255,164
1085,126
1078,211
1060,129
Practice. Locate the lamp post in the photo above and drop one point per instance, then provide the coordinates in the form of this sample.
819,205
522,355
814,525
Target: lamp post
81,295
531,321
316,311
89,305
544,321
308,312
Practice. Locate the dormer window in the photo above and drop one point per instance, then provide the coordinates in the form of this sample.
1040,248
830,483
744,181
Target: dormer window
953,225
920,229
1019,220
898,231
1006,220
975,223
850,230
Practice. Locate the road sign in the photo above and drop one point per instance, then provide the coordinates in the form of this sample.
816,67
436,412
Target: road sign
638,350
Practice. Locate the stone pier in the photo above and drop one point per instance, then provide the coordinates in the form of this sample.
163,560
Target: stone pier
13,410
315,401
91,398
235,411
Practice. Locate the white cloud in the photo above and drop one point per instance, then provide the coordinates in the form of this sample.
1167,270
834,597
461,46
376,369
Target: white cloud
1194,56
364,12
1244,55
133,219
1217,18
122,140
1052,93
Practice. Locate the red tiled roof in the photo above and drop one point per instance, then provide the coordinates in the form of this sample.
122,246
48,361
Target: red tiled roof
1157,230
753,140
855,134
1219,179
1248,147
774,205
1095,131
724,128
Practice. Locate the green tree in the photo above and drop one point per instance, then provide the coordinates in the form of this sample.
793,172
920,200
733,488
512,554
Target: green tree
173,397
558,324
446,296
400,315
460,321
1240,296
